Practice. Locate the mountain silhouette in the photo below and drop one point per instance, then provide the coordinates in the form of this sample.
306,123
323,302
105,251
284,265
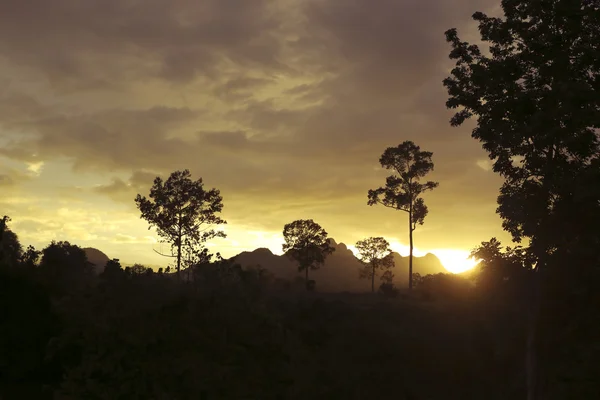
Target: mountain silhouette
340,271
97,258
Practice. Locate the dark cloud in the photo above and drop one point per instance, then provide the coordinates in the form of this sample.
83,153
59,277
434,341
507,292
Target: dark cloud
103,40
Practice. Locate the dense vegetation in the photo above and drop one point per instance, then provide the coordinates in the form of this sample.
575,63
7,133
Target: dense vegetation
231,333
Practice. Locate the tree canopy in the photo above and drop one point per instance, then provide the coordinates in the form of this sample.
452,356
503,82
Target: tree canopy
403,189
536,97
184,214
306,242
376,255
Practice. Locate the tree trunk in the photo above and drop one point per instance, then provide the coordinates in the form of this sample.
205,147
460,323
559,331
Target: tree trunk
410,255
179,255
373,278
306,281
179,244
531,364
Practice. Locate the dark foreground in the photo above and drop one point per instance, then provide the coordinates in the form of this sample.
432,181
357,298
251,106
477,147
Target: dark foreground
149,337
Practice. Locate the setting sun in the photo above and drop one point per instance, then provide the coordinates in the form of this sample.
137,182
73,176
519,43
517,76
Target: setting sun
455,261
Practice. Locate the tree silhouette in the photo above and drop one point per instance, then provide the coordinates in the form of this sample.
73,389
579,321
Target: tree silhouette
3,223
402,190
497,268
112,270
375,254
138,269
183,212
11,250
65,266
537,102
387,286
306,242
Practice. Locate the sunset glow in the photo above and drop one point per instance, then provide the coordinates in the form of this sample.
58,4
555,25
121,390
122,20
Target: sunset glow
455,261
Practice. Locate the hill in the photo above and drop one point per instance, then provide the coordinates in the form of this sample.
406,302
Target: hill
340,271
97,258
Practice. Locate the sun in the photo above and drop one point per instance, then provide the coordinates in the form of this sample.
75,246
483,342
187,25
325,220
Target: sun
455,261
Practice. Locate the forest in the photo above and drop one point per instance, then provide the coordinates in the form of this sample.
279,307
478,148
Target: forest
523,324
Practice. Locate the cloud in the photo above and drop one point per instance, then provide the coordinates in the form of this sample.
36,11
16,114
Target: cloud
285,106
11,176
35,167
106,42
485,165
121,238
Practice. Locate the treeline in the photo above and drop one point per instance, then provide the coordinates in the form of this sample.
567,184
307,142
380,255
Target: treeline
186,215
67,333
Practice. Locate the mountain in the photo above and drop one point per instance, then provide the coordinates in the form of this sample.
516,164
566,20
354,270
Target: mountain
340,271
97,258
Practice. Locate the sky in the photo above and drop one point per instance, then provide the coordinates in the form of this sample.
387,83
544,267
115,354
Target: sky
285,106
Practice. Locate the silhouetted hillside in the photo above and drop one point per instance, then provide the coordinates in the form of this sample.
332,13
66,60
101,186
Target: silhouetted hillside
340,271
97,258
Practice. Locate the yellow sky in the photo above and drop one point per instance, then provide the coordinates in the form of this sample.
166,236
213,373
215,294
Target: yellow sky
284,106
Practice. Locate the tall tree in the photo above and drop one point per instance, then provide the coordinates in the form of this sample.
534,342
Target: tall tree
536,96
403,190
306,242
183,212
376,255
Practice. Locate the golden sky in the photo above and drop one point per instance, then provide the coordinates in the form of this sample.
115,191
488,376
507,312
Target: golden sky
285,106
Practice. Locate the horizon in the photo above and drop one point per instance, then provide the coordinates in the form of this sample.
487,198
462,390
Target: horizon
451,259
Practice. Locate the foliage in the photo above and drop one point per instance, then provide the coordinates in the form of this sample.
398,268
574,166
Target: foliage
27,322
65,267
403,189
30,257
445,286
306,242
537,104
138,269
183,213
376,255
112,271
10,246
498,267
536,98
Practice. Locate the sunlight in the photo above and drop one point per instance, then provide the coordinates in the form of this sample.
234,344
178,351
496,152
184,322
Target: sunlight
404,250
271,241
455,261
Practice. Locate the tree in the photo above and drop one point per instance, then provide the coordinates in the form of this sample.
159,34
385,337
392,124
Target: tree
306,242
138,269
30,257
65,266
113,270
11,250
375,254
497,268
183,212
537,102
402,190
387,287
